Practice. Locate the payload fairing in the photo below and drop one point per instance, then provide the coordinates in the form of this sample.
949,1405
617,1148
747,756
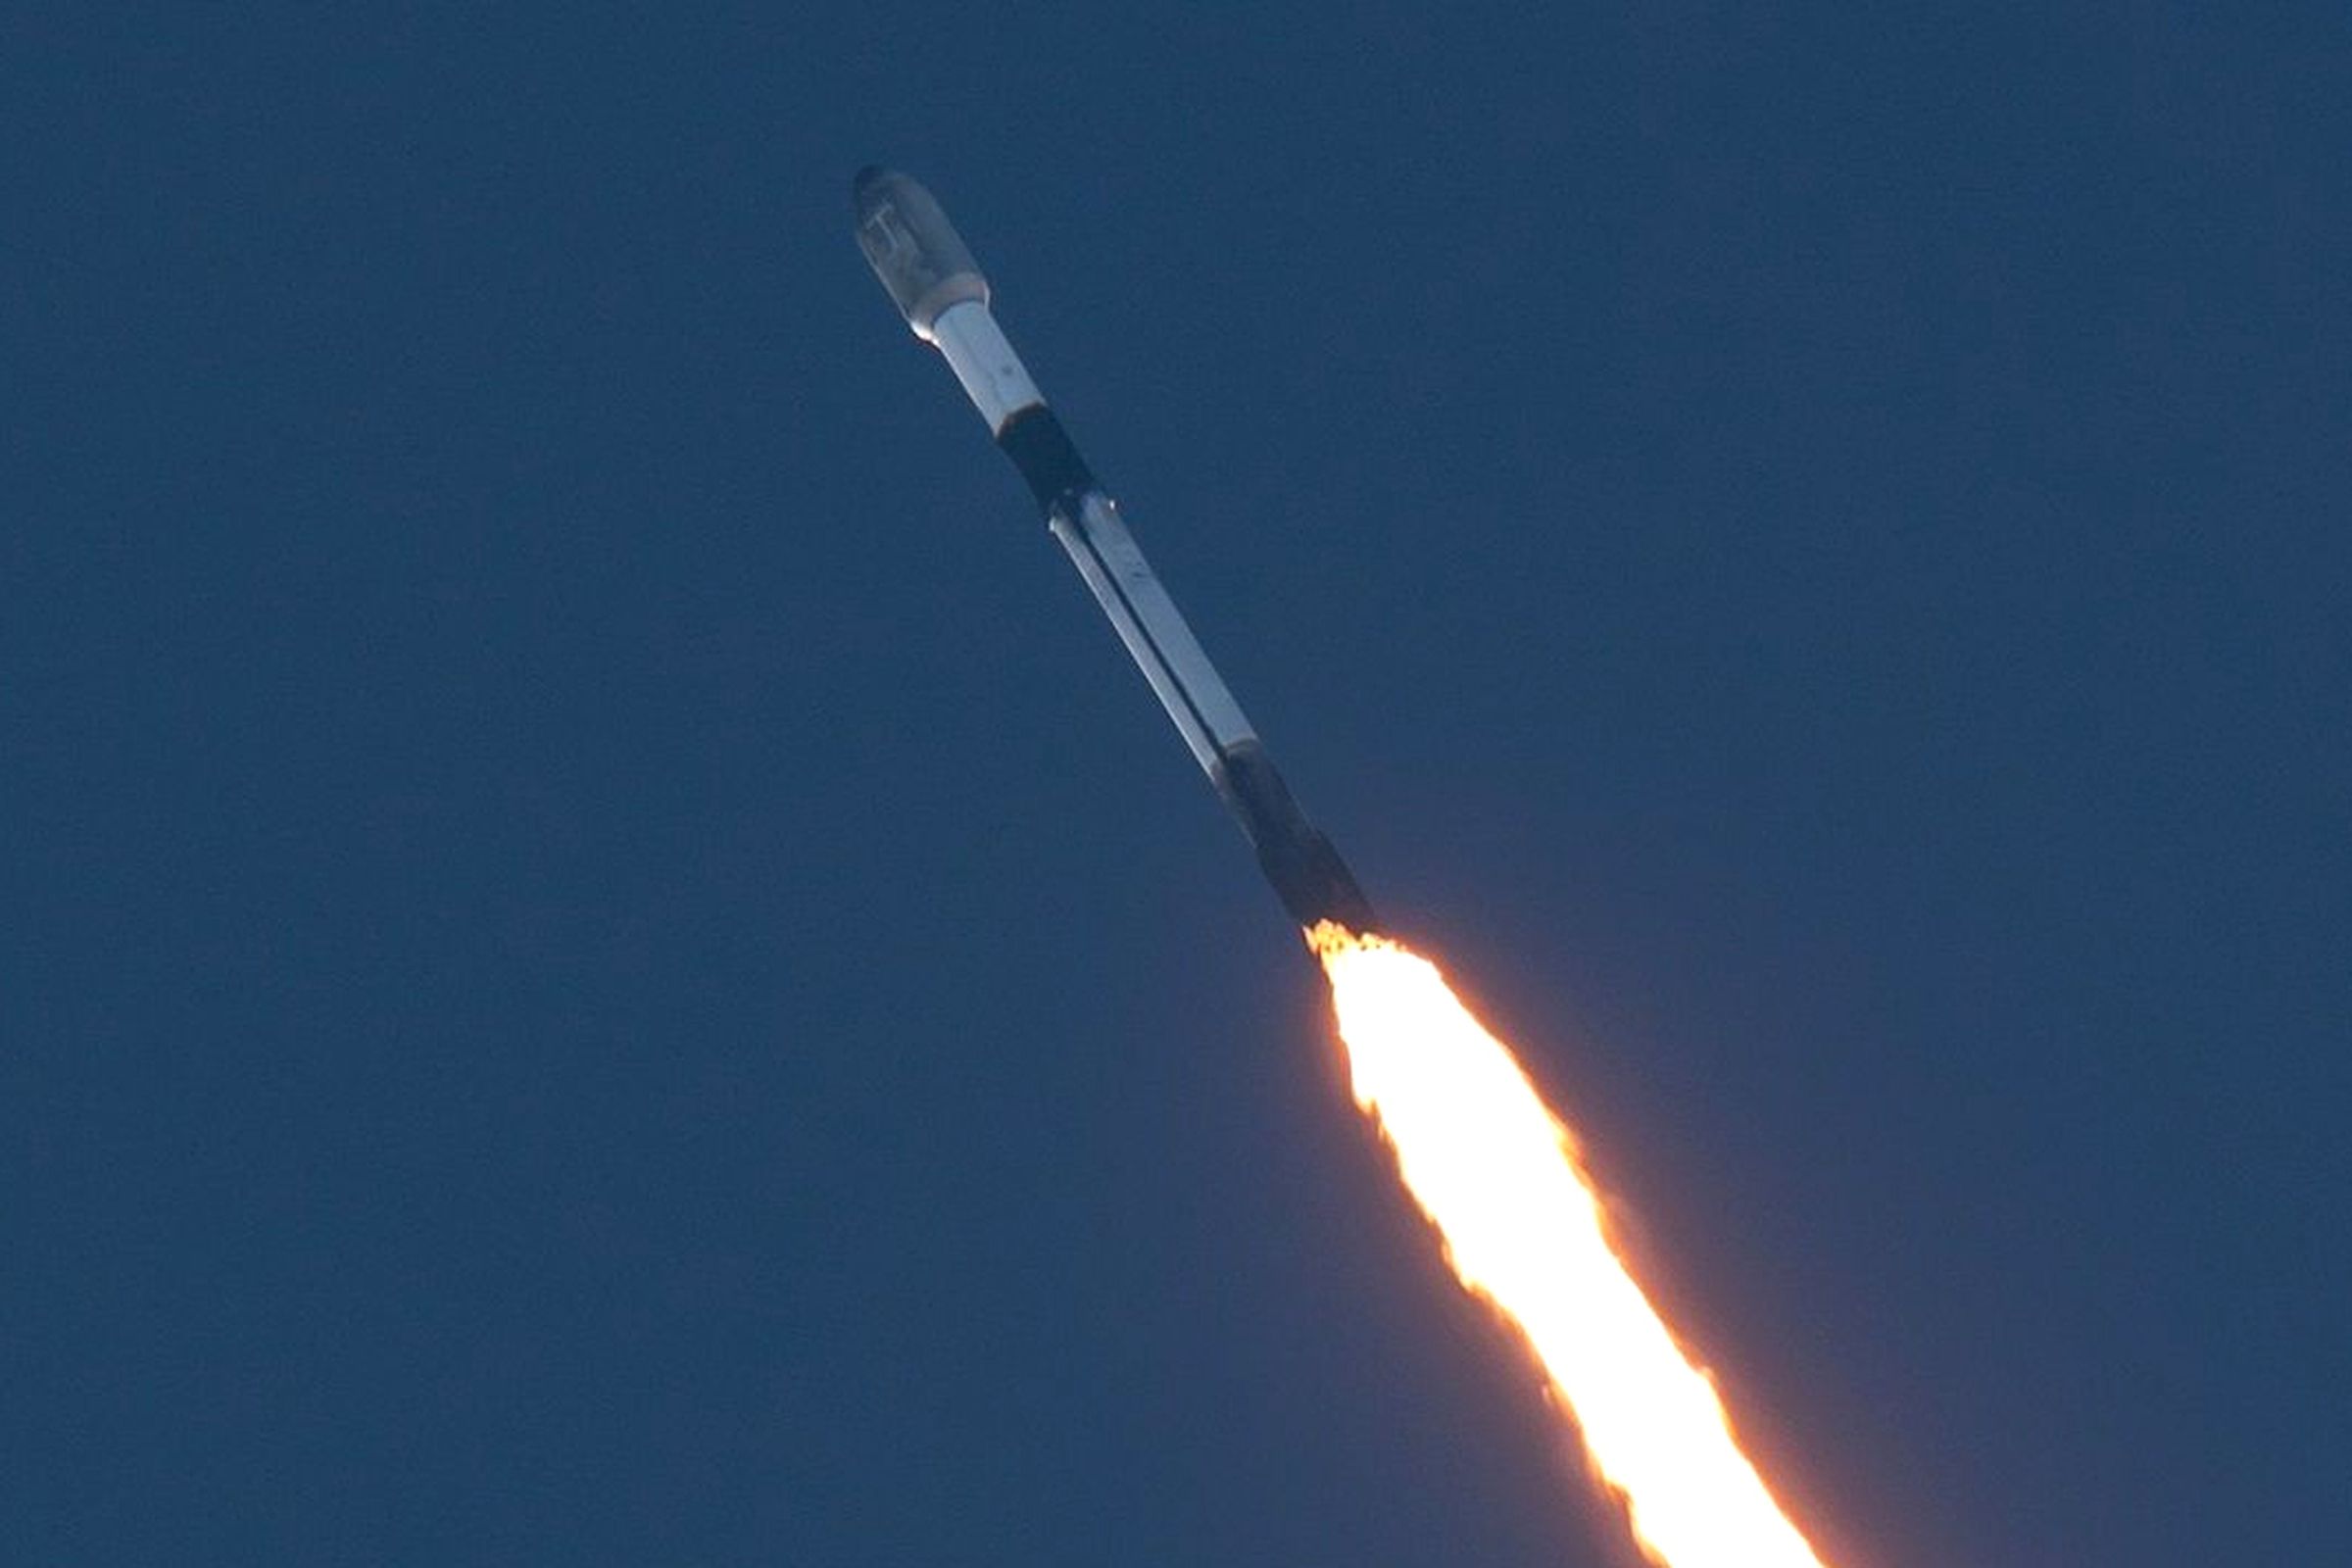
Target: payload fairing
924,264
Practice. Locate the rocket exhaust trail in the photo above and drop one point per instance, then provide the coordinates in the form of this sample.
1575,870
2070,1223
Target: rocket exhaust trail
922,262
1497,1175
1486,1161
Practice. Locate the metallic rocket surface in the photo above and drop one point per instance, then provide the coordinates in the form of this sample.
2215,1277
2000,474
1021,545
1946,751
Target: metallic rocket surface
937,286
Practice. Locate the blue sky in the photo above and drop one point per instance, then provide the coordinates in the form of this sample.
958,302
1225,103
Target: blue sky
607,963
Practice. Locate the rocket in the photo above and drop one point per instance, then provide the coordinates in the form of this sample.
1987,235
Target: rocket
924,266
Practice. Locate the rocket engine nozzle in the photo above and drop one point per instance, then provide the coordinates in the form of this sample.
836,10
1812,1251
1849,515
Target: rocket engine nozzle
1314,883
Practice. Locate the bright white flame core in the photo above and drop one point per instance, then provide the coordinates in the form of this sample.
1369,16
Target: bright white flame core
1498,1174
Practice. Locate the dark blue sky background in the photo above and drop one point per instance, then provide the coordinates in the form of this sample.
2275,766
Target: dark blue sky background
605,962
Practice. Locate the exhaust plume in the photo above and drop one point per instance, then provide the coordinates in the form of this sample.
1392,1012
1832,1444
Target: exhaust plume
1522,1226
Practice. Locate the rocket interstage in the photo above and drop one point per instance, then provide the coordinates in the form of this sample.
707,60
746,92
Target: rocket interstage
939,288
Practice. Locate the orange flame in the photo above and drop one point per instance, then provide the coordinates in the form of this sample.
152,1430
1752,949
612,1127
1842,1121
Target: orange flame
1497,1175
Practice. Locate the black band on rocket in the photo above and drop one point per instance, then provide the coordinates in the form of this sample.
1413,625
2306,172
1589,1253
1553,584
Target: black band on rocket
1040,449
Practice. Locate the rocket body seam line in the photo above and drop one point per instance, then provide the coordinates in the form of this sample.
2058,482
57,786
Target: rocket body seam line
1143,630
1173,642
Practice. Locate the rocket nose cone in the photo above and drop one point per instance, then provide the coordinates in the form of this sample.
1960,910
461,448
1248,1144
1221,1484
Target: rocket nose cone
911,246
866,188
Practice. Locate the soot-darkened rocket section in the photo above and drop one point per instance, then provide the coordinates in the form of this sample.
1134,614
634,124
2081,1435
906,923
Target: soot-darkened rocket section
939,288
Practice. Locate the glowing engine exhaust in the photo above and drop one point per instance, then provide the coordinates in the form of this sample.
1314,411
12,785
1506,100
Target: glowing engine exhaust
1497,1175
